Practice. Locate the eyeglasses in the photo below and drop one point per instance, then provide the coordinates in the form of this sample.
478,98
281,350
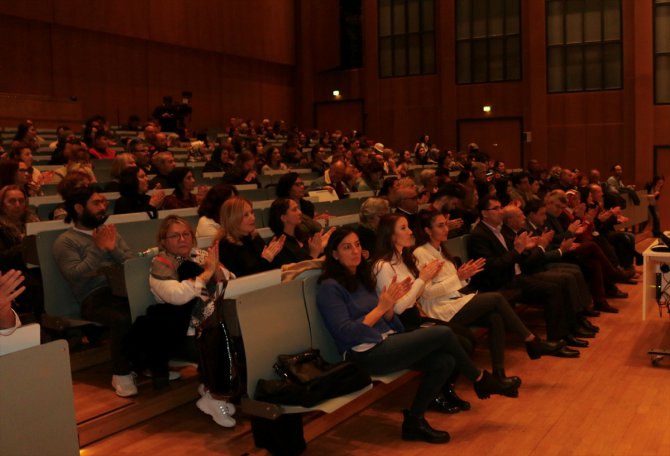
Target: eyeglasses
494,208
175,236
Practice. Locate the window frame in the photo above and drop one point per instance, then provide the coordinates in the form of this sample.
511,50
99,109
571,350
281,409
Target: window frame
421,34
487,39
583,46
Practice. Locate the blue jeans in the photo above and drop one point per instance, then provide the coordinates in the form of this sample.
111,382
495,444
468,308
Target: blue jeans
435,351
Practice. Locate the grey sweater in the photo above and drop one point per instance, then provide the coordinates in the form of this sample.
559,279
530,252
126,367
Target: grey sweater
80,261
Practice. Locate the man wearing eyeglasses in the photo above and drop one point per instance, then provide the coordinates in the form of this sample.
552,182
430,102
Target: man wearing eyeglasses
502,272
82,252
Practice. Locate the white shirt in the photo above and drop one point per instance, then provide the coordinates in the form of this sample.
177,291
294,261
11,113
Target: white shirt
9,331
441,298
384,272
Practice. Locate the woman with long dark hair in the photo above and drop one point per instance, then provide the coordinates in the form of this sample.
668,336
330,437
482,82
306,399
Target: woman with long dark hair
443,297
284,220
133,186
368,332
183,182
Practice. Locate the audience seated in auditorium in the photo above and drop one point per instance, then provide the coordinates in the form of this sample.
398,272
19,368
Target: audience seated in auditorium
243,170
210,209
540,262
360,321
444,297
407,203
318,163
119,163
35,177
163,164
140,150
241,249
502,272
14,172
81,253
372,210
273,161
220,160
26,134
371,177
133,187
78,159
285,217
333,180
183,182
100,148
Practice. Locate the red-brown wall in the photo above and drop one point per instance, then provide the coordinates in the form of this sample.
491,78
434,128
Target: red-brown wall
119,58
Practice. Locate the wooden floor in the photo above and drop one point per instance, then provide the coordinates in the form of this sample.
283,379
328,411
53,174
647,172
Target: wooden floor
611,401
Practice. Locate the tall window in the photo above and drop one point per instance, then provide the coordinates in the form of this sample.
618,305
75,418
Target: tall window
488,41
662,51
584,48
406,37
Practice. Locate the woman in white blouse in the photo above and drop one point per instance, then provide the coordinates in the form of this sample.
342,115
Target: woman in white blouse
443,298
437,281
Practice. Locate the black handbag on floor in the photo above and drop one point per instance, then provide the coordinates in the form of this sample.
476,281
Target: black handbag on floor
307,379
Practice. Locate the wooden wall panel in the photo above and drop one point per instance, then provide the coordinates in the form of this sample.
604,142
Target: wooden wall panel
121,58
25,53
325,15
129,18
38,10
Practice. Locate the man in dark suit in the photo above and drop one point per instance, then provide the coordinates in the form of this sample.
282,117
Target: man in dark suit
502,272
595,264
543,263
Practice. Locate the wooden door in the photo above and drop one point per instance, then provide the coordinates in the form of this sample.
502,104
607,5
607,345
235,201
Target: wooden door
499,138
343,115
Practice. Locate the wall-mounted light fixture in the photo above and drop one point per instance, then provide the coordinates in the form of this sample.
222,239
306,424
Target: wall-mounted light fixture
336,94
486,108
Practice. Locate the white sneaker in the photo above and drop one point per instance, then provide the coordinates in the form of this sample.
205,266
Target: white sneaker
124,385
218,410
230,407
172,375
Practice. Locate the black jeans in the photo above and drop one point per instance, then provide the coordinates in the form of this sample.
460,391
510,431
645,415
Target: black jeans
103,307
493,311
435,351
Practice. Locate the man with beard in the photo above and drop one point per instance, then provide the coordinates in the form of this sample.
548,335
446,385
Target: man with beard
81,253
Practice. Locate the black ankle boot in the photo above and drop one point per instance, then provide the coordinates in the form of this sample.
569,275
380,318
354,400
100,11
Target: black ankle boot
488,385
417,428
513,382
451,398
441,405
